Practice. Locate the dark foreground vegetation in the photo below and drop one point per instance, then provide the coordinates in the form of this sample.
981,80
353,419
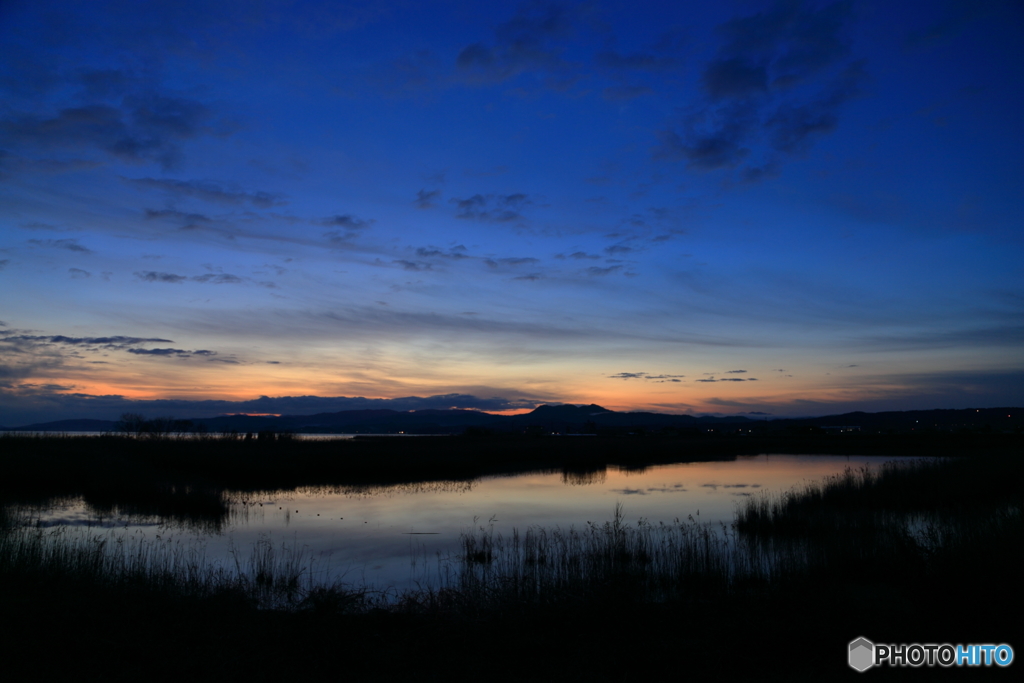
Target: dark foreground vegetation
925,551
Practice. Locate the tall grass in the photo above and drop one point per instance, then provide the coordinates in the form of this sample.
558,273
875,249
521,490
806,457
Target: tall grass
263,576
862,500
614,560
907,522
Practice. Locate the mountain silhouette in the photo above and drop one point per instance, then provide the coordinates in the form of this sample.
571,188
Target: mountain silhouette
565,419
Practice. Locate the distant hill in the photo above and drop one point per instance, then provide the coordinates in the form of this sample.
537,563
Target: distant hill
571,419
999,419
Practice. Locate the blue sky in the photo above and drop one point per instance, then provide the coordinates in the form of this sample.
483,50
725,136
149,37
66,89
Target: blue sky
784,208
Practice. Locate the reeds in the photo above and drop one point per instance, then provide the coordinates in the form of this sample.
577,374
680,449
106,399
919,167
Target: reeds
906,523
265,576
614,560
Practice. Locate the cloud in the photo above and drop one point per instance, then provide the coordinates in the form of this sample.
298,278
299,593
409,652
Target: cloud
115,342
146,126
171,278
710,139
532,40
597,271
511,261
209,191
78,273
796,39
69,244
642,375
777,82
658,379
35,356
412,265
153,276
176,353
792,125
427,199
728,379
491,208
453,253
351,228
579,256
180,216
348,222
217,278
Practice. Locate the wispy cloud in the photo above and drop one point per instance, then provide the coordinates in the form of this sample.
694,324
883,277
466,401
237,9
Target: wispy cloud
209,191
532,40
176,353
143,126
427,199
491,208
68,244
154,276
171,278
648,377
777,83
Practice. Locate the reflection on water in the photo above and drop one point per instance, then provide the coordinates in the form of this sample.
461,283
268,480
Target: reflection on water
584,476
386,490
394,535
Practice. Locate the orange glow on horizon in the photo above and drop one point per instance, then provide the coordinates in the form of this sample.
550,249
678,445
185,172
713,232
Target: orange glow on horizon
773,395
252,414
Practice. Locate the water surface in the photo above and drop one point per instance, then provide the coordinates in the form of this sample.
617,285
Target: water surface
397,536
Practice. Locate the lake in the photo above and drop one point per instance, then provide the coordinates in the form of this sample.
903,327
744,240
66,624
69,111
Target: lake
396,537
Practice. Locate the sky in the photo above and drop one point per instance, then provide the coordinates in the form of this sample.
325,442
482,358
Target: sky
754,208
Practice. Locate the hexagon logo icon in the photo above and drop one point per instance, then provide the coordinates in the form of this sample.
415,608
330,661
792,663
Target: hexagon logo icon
862,654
